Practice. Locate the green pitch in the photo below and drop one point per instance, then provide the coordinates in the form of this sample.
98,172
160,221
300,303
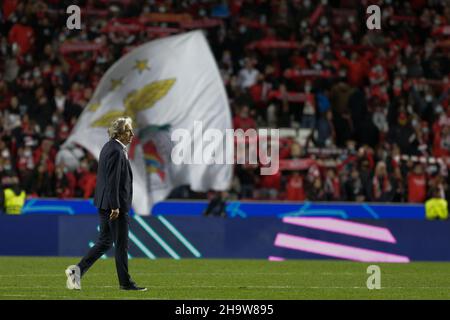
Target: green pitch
43,278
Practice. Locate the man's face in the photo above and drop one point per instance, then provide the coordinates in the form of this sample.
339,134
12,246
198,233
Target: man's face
127,135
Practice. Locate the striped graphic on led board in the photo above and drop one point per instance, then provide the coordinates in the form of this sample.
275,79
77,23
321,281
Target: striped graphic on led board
344,227
153,241
336,250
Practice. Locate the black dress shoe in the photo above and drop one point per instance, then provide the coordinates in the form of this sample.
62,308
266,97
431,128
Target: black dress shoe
133,288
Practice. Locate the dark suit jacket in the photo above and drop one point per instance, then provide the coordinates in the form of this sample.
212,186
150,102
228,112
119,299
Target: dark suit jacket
114,188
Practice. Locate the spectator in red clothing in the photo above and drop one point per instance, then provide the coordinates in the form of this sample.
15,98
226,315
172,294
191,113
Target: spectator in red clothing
243,120
285,148
22,35
5,95
255,92
298,60
332,186
295,190
72,181
270,185
87,184
45,153
85,180
63,188
26,125
417,185
441,141
9,6
418,4
357,67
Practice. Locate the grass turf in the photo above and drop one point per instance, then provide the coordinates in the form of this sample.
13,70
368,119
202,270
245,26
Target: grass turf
44,278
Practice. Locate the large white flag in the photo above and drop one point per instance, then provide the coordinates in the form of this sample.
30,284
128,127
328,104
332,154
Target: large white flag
163,85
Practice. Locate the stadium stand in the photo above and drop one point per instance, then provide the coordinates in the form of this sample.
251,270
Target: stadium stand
365,115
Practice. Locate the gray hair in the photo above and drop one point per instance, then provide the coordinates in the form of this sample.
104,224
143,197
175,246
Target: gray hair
118,127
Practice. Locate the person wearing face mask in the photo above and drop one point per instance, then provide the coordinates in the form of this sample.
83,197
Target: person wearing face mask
357,66
403,134
62,183
248,75
244,121
417,184
441,141
354,187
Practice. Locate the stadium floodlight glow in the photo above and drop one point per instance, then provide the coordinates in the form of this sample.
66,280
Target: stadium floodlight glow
155,236
141,246
180,237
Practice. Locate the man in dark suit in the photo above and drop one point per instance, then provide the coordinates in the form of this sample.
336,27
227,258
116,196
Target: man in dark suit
113,195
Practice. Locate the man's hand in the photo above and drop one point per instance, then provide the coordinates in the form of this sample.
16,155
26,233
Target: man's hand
114,214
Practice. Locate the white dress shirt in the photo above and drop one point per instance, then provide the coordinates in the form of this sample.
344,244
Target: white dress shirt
125,150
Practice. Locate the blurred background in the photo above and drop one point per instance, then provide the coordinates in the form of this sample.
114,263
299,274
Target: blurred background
364,115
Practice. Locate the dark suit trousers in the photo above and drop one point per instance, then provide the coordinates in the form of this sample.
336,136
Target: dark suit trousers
115,231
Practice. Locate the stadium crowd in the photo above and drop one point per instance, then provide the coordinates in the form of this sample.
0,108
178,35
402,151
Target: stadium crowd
375,102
